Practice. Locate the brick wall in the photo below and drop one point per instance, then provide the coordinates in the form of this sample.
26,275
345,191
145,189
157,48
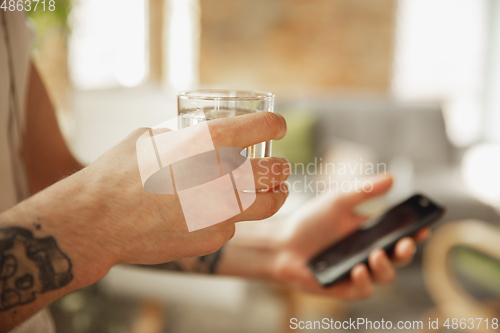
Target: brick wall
343,44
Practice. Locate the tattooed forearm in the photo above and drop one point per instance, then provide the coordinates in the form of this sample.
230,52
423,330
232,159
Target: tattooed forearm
204,264
29,266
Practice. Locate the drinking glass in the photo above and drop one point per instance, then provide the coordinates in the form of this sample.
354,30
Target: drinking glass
207,104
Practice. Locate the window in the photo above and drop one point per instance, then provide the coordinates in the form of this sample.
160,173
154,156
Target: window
107,47
439,54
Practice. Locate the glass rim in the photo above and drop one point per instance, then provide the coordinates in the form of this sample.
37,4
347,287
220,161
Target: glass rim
240,95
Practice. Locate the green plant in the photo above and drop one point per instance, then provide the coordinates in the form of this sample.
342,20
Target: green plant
46,20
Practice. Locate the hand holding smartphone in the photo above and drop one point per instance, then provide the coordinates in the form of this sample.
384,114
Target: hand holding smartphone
335,263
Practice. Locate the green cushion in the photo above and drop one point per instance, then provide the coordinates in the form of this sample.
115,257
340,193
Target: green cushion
478,267
298,144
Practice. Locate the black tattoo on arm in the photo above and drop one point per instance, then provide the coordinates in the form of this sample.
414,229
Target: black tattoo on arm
29,266
204,264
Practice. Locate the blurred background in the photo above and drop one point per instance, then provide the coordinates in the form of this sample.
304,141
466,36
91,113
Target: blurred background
413,84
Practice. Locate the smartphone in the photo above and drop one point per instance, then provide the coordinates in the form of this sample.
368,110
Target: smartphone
335,263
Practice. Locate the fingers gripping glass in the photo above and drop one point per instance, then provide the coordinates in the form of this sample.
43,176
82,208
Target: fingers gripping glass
207,104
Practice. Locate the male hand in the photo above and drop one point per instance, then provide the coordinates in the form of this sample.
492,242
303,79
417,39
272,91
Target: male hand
134,226
324,221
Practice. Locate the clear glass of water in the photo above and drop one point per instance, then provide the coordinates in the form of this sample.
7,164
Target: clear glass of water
207,104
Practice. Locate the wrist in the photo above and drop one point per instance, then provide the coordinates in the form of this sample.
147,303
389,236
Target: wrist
207,264
65,213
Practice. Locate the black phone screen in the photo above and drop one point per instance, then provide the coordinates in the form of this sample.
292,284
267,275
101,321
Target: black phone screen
335,263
